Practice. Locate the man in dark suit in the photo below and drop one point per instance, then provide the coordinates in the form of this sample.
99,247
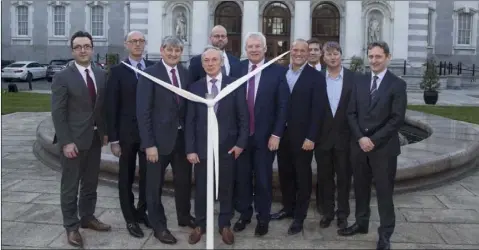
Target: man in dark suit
123,132
219,39
315,53
376,112
332,147
296,148
78,114
160,115
233,122
267,97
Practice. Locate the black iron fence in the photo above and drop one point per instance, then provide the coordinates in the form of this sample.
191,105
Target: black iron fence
444,68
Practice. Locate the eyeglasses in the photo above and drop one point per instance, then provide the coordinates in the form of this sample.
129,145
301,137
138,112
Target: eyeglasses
140,41
85,47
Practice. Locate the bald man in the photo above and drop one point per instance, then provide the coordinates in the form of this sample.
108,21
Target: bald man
218,39
123,131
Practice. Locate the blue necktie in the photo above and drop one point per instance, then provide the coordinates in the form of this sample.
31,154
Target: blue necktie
140,67
374,89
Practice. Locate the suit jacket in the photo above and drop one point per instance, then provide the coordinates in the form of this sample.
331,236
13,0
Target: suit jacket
305,110
73,114
334,131
121,103
271,103
197,72
232,115
381,119
158,113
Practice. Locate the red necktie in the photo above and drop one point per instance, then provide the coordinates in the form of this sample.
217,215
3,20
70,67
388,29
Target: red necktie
91,87
251,89
175,83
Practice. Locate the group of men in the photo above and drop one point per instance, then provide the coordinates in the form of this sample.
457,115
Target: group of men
348,121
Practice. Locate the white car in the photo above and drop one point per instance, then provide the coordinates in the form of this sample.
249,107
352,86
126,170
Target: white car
24,70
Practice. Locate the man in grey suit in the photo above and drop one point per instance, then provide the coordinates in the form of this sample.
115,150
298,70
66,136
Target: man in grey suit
78,117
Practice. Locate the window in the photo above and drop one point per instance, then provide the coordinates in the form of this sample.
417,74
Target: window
22,20
229,15
325,26
97,21
59,15
276,28
464,29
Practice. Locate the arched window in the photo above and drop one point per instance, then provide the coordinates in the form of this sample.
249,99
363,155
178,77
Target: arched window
277,29
325,26
229,15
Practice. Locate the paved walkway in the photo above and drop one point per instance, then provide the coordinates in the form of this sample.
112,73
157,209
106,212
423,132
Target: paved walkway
445,217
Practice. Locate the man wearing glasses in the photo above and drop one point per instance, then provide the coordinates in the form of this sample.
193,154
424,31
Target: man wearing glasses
218,39
123,132
80,132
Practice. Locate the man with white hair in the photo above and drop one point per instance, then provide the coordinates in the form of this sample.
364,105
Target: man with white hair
232,114
219,39
123,131
267,95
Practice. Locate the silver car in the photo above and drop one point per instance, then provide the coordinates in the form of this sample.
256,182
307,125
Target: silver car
24,71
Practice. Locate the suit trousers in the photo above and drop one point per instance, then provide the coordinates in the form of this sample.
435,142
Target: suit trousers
182,184
225,197
254,174
81,171
381,168
333,163
295,176
126,177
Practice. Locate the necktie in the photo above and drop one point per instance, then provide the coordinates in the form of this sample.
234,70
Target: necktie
214,91
140,67
374,88
91,87
251,90
175,83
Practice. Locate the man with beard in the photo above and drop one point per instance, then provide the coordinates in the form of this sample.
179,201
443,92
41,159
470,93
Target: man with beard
123,131
219,39
160,115
296,147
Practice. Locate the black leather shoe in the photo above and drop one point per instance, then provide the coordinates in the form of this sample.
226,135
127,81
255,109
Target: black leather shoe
325,222
342,223
295,228
135,230
383,243
165,237
352,230
240,225
188,223
281,215
261,229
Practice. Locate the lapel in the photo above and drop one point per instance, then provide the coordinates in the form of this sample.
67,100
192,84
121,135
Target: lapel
165,76
347,75
382,88
81,84
224,82
263,83
302,75
131,74
99,80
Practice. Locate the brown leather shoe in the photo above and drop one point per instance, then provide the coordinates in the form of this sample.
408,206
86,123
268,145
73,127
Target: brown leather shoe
227,236
74,238
195,236
95,224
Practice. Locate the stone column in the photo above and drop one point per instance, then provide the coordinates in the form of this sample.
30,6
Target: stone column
354,33
250,20
155,28
199,31
302,20
399,46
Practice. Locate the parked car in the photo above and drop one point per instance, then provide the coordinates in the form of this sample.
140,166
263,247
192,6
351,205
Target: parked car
24,71
55,66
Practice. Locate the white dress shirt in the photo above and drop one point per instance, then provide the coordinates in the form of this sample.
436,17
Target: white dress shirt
317,66
380,78
209,84
168,70
257,77
83,74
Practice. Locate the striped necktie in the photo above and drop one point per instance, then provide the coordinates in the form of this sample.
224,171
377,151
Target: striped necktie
374,89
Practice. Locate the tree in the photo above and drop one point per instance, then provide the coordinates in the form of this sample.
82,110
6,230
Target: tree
430,79
357,64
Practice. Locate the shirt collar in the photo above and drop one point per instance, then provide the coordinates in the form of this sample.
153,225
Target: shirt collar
299,70
168,67
134,63
218,79
82,68
380,75
250,64
341,73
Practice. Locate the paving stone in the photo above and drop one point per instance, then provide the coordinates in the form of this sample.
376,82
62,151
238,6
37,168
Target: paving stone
455,189
22,197
29,234
414,201
37,186
459,233
440,215
460,202
117,239
10,210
